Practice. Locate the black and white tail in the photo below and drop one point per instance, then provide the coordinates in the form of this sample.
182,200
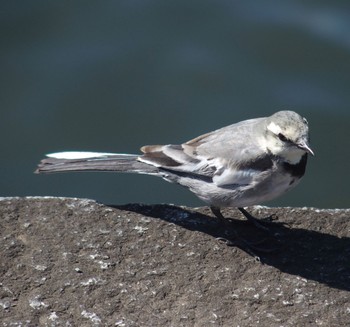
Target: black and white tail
93,161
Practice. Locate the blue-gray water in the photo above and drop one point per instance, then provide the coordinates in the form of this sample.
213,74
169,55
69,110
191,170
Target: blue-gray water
115,75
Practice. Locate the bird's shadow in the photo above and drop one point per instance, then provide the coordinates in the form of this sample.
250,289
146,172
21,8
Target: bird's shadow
310,254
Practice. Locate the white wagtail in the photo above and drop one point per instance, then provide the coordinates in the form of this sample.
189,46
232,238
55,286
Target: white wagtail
240,165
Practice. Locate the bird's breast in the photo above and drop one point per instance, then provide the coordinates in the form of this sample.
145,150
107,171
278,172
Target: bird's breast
296,170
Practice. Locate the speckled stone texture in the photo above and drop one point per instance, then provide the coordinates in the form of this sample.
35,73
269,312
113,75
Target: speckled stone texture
75,262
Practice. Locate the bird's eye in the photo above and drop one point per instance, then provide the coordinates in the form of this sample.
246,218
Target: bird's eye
282,137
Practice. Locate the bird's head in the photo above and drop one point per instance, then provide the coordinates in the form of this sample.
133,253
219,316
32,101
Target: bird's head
287,136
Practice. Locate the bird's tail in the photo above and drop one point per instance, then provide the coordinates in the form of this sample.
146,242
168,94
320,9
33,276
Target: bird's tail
93,161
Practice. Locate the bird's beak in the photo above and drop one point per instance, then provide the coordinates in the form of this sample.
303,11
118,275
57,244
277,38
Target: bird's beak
306,147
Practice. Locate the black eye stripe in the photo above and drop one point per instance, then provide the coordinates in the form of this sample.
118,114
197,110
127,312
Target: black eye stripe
282,137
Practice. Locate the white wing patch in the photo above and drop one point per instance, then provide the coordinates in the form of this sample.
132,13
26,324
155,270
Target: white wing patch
235,177
79,155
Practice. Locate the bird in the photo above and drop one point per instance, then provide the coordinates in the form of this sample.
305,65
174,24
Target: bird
240,165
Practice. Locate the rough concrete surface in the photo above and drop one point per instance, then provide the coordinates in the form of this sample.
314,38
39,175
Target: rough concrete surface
75,262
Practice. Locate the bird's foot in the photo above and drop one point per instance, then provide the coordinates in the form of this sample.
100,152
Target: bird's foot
233,239
259,222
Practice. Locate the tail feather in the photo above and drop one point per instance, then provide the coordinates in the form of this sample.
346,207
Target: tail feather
75,162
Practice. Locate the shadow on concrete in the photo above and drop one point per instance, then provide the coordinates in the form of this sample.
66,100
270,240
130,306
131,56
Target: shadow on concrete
310,254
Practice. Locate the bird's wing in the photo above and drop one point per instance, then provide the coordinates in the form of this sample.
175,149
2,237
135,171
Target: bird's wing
229,156
237,142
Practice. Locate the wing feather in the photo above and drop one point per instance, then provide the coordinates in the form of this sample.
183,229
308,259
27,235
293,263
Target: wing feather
229,156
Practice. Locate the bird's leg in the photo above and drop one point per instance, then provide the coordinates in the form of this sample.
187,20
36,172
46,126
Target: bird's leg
254,220
245,245
216,211
225,222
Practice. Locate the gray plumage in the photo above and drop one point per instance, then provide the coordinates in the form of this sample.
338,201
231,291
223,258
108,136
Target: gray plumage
243,164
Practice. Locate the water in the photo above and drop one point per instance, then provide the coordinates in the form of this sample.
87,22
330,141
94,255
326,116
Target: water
113,76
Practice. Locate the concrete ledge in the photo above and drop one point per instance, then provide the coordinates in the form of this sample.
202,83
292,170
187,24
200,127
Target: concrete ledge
76,262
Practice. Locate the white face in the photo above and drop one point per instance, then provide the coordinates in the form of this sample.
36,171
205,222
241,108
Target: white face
282,141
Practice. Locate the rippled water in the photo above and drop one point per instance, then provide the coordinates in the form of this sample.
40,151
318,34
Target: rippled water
113,76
